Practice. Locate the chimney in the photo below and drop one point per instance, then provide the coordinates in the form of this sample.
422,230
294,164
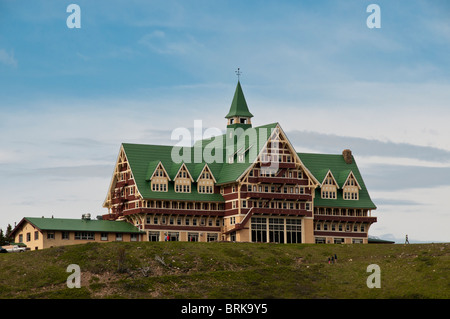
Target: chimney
347,154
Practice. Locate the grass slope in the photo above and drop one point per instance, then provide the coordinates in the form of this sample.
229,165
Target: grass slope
227,270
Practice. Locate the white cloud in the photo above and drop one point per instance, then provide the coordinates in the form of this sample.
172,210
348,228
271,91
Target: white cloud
8,58
7,157
426,220
414,113
172,43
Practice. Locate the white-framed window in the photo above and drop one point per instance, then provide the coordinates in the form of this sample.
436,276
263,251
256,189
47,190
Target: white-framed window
84,235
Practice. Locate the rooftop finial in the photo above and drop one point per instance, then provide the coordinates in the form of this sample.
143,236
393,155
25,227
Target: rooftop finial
238,73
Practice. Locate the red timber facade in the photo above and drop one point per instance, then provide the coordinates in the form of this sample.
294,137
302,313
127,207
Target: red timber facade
250,185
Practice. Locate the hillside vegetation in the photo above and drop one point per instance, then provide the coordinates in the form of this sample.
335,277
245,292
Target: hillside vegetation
227,270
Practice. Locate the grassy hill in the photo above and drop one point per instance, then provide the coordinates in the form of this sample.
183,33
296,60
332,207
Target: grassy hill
227,270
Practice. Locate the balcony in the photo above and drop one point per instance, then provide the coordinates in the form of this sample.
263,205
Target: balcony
278,164
290,196
340,234
117,200
173,211
278,180
284,212
121,184
337,218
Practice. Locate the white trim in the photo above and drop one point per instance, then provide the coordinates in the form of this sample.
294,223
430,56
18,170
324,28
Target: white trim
189,173
351,173
332,176
157,166
206,166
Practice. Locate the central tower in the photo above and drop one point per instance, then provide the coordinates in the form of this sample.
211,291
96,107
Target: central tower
239,115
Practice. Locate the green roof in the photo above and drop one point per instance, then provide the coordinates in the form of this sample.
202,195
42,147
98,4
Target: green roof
143,160
320,164
239,105
66,224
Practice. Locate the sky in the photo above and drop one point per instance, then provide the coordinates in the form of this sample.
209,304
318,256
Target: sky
136,70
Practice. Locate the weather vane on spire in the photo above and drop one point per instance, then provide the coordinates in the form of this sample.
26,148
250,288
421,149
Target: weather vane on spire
238,73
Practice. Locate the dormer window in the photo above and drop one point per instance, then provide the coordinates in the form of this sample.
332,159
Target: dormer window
351,188
183,180
205,182
159,179
329,187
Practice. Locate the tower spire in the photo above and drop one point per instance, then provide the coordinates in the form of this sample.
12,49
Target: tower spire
239,115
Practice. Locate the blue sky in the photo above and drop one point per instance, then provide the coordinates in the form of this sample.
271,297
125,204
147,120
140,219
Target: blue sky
136,70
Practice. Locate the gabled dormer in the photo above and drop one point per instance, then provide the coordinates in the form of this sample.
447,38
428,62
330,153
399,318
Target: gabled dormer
329,186
159,179
183,180
205,181
351,187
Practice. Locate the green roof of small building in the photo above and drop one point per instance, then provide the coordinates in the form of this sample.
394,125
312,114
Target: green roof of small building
91,225
239,105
